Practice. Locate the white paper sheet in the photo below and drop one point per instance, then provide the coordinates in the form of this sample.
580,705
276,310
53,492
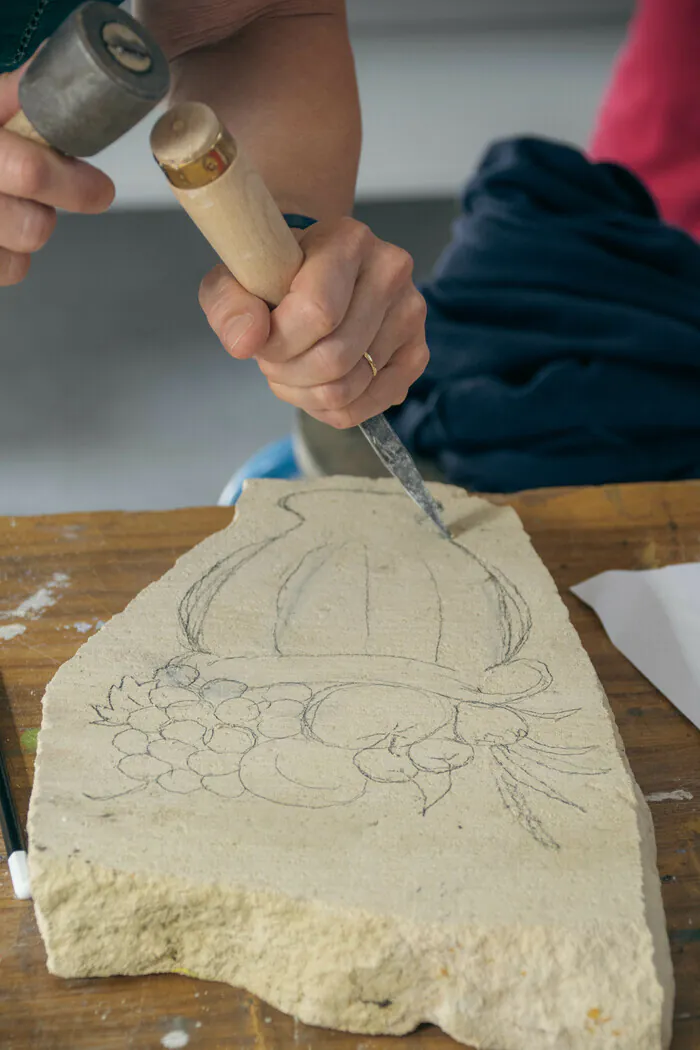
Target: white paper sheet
653,618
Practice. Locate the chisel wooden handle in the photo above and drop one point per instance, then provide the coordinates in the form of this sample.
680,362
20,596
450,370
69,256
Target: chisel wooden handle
216,184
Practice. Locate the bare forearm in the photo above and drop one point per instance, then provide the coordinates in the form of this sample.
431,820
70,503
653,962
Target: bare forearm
280,75
284,84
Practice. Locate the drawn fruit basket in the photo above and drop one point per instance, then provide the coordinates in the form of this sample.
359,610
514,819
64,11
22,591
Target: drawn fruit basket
313,672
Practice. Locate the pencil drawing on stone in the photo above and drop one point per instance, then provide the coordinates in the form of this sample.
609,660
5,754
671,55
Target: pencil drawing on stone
336,701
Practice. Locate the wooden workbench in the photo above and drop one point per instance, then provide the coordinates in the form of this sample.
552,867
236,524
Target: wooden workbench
108,558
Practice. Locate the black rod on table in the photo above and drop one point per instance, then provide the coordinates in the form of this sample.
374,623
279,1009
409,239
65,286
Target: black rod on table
12,834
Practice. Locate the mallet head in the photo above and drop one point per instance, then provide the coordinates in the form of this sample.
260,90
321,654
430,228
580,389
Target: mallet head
98,75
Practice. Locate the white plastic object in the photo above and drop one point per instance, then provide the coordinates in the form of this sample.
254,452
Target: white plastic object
19,873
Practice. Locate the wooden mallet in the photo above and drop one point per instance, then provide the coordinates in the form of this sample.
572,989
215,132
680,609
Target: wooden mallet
98,75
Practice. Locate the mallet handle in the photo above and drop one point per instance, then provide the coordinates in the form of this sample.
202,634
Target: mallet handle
20,125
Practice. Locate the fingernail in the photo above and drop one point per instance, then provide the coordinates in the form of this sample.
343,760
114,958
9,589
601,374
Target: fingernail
217,276
236,329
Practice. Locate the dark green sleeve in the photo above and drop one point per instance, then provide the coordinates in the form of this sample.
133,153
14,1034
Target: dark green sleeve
24,24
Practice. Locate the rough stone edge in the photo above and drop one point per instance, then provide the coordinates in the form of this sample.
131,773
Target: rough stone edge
491,987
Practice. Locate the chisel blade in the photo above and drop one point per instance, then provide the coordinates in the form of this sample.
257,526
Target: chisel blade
399,462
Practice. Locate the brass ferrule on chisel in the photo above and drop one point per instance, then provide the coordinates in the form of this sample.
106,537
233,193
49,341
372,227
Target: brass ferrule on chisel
218,186
205,169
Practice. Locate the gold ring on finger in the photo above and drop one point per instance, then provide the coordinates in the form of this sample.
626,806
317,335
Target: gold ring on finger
368,358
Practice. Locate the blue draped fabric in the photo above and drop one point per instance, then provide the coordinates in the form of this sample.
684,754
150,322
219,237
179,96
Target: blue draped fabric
564,329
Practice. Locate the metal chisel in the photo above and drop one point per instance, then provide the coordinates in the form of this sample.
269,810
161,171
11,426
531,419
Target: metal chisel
398,461
217,186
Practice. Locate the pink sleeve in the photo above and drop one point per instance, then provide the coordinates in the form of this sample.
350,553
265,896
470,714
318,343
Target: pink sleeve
649,119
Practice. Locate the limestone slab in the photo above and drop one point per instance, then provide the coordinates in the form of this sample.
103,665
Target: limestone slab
363,772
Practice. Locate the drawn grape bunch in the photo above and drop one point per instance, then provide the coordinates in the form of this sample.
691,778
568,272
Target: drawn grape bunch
185,731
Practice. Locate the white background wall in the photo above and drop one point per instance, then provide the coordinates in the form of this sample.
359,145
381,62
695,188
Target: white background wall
493,13
440,79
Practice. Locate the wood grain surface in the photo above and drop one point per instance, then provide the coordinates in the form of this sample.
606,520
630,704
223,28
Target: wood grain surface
93,564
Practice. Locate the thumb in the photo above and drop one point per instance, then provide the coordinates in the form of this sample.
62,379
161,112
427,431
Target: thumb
241,320
9,100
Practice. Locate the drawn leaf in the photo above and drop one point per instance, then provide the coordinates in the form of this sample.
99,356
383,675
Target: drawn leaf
554,749
106,716
553,716
433,787
517,770
138,692
123,700
556,762
515,803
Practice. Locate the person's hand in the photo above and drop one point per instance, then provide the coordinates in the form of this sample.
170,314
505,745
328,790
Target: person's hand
353,294
34,182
